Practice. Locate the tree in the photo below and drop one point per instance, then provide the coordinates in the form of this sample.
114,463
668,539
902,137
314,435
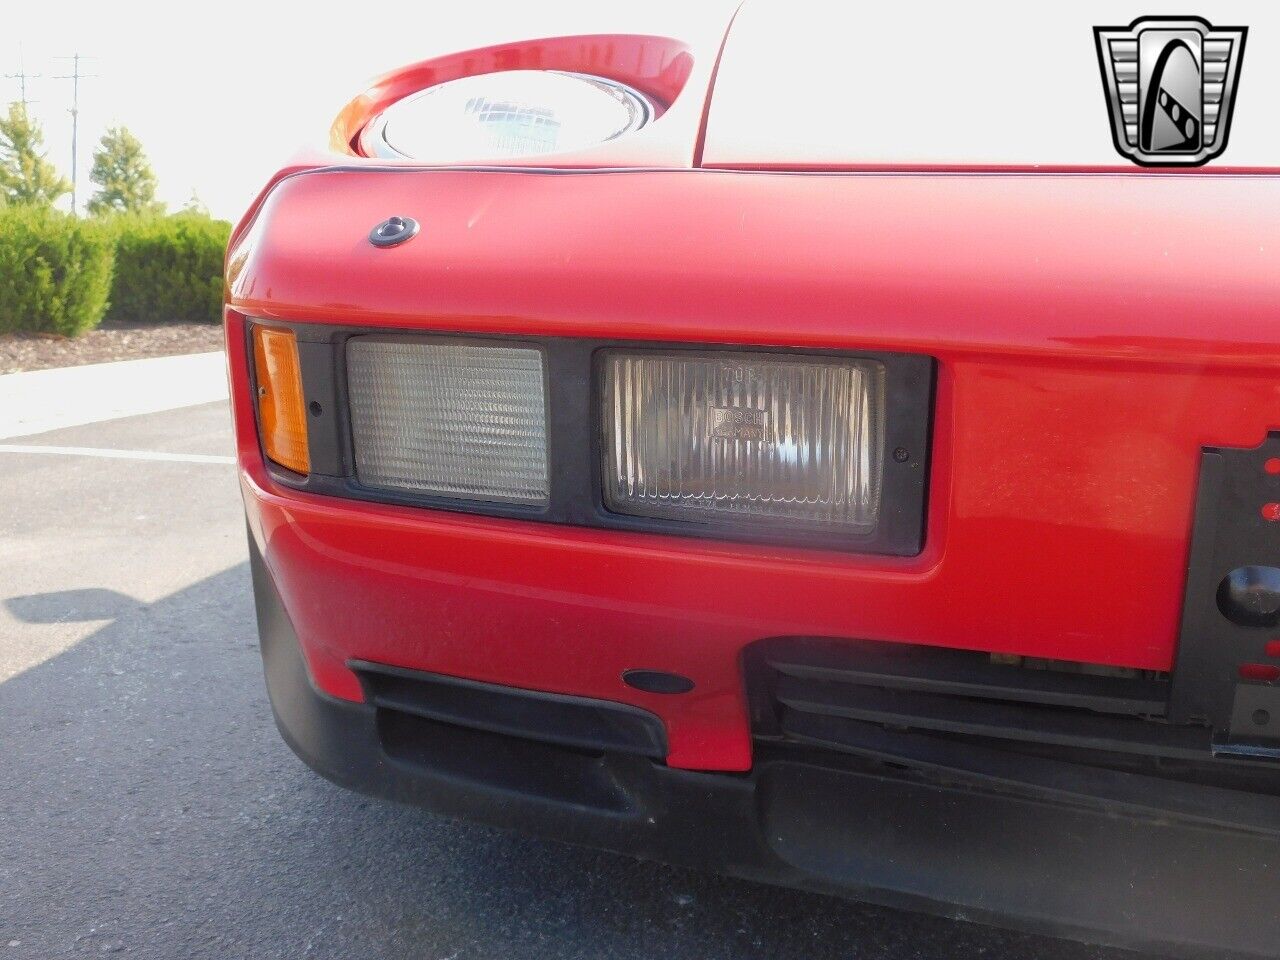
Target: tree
123,175
26,176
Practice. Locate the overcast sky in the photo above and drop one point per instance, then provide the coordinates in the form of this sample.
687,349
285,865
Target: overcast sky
222,94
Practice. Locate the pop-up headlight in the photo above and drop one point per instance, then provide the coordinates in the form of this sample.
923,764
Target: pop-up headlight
513,113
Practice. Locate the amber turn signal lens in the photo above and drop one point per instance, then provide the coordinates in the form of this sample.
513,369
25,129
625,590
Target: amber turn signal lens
281,410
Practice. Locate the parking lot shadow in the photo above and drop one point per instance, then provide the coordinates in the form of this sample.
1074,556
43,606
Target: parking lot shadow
148,805
71,606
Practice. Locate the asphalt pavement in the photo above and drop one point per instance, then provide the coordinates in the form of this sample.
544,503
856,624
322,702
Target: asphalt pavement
149,808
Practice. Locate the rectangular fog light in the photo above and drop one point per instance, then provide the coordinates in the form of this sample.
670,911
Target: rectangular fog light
755,439
448,418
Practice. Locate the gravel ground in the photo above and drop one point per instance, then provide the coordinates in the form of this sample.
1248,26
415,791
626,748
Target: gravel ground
39,351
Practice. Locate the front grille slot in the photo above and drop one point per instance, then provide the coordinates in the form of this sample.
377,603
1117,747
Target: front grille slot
578,723
924,707
1001,719
960,693
963,674
505,765
508,742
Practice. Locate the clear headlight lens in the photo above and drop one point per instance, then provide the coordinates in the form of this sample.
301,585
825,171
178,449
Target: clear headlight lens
459,420
748,437
513,113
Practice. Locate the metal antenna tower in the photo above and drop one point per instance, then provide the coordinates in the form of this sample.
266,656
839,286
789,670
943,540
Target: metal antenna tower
75,76
22,77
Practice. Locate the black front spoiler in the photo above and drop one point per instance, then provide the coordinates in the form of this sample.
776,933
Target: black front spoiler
901,836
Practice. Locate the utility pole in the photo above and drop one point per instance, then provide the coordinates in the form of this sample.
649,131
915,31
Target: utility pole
22,77
75,76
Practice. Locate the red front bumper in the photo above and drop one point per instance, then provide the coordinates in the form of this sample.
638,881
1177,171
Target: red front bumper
1078,378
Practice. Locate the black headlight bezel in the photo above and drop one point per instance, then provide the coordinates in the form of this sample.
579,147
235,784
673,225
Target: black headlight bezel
575,441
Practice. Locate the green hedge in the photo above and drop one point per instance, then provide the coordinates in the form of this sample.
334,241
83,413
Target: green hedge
168,269
55,271
58,273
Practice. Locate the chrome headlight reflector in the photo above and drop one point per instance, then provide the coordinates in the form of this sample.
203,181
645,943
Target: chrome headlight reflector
449,418
511,113
752,438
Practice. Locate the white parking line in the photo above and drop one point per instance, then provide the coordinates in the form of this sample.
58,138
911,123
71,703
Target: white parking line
116,454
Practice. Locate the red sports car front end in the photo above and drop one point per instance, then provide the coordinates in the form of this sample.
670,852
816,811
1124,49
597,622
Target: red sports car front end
896,529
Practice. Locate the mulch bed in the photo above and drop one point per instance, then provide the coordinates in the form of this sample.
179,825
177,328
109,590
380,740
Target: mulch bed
39,351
